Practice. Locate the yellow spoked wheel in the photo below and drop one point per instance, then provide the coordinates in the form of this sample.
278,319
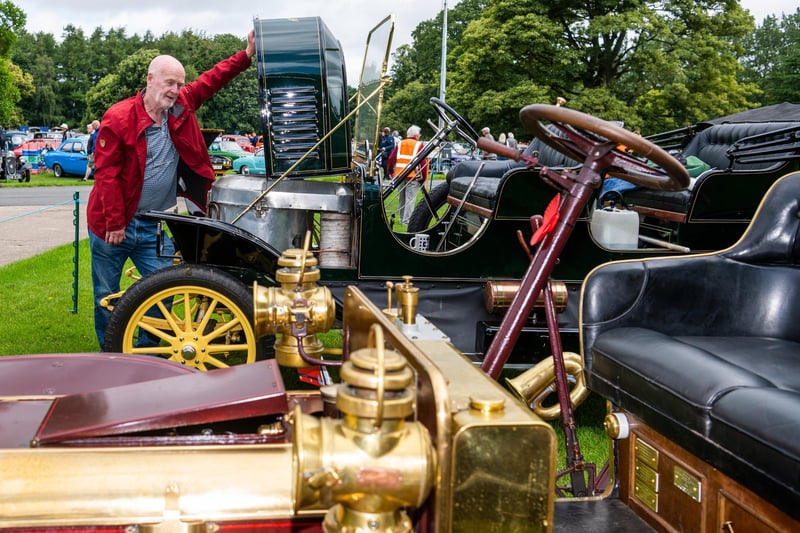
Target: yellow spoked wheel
191,314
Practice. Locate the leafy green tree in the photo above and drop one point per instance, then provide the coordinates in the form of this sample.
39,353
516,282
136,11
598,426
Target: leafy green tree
656,64
124,82
73,65
34,54
773,58
416,68
12,22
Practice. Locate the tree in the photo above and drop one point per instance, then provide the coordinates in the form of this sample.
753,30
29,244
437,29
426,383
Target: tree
73,74
12,22
773,58
124,82
656,64
34,55
416,68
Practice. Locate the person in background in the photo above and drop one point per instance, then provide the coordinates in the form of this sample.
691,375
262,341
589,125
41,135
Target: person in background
385,148
502,140
149,148
401,156
511,142
486,133
92,129
64,132
396,136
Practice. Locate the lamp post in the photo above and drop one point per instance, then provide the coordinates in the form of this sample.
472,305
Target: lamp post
443,72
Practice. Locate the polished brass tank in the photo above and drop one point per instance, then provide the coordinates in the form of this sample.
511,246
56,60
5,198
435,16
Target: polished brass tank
499,293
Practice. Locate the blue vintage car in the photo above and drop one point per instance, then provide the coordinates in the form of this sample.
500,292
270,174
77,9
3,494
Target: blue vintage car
251,164
70,158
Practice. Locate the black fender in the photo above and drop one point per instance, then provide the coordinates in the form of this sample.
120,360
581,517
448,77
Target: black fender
213,242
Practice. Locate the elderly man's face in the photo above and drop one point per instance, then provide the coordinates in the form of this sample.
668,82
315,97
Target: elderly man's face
164,82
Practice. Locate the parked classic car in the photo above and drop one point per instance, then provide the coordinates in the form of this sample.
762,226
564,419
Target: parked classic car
69,159
242,140
480,211
11,166
229,149
223,154
251,164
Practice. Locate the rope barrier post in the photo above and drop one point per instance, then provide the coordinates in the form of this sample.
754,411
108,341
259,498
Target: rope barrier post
76,245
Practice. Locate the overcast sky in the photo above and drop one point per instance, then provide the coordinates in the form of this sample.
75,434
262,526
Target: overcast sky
349,20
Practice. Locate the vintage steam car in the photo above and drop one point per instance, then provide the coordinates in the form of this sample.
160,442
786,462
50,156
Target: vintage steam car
409,434
318,179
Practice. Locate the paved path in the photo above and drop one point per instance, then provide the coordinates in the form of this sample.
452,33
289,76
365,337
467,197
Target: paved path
34,220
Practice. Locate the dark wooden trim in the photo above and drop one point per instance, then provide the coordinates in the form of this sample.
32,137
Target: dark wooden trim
663,214
478,210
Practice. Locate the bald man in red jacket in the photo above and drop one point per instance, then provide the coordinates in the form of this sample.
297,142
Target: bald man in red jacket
149,149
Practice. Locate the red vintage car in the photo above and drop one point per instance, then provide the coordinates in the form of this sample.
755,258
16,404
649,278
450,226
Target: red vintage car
241,140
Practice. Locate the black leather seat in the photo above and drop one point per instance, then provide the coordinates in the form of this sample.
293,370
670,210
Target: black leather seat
486,188
712,146
706,348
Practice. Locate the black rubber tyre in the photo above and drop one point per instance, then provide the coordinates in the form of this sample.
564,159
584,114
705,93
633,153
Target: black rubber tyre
57,170
151,319
245,169
421,217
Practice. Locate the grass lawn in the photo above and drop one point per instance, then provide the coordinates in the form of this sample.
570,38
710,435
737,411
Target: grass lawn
46,179
38,296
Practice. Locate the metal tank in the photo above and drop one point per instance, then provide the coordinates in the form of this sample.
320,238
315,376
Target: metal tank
287,211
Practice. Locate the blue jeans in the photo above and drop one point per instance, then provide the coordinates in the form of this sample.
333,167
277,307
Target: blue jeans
108,261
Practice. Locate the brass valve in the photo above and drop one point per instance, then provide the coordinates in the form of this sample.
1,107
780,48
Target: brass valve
298,309
407,299
371,464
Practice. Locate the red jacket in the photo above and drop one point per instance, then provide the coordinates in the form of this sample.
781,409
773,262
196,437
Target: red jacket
121,149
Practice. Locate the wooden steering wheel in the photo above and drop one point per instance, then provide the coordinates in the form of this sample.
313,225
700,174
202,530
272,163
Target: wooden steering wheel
583,137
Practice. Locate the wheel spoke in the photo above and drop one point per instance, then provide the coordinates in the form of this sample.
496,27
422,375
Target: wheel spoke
209,312
169,315
153,350
221,348
213,361
161,334
222,329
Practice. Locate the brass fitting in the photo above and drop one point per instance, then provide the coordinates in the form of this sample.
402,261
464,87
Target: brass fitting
297,309
407,300
407,297
372,463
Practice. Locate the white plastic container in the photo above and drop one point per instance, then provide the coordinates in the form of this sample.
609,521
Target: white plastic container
616,229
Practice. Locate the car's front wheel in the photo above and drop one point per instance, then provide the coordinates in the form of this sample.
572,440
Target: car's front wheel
245,169
57,170
191,314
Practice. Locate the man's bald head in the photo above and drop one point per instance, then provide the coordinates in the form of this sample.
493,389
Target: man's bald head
165,77
165,64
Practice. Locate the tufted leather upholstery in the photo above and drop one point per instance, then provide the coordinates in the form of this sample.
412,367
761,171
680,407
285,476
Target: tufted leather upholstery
706,348
711,146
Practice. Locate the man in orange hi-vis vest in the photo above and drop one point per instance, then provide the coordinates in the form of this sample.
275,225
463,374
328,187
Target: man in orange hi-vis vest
402,155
